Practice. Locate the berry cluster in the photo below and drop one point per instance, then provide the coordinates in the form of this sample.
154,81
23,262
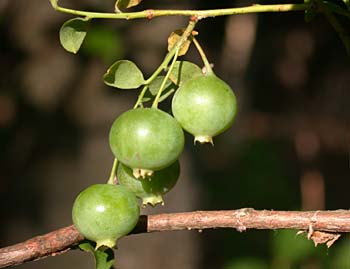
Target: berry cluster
147,142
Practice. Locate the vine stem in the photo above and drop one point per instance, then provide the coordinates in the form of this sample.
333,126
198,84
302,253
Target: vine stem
156,99
319,225
200,14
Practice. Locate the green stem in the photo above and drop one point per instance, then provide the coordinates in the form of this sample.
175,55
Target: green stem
139,99
167,59
200,14
208,69
171,53
113,172
159,93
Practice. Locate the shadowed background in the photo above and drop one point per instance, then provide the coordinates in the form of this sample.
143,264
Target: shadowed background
288,149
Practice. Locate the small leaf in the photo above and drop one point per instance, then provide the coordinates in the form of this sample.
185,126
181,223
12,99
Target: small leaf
184,71
120,4
72,34
174,38
104,259
154,88
156,83
124,74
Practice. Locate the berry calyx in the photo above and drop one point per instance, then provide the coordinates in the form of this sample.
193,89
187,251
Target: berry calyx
205,106
150,189
103,213
146,140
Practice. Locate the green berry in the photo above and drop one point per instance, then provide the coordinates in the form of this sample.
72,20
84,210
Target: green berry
146,140
103,213
205,106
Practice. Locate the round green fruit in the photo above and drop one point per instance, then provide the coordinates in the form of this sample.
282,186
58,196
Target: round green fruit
205,106
151,189
103,213
146,139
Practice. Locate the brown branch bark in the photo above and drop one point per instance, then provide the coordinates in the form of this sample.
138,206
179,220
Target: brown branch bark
314,222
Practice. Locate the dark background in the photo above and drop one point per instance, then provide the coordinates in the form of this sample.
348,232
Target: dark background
288,149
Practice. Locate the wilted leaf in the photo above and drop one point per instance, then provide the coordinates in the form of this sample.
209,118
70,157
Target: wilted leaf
174,38
104,259
72,34
183,71
120,4
124,74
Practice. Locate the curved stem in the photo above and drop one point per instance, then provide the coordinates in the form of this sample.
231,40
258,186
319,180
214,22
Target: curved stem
208,69
152,13
139,99
159,93
111,179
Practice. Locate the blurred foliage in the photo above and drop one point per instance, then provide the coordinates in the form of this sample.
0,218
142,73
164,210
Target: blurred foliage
259,173
103,42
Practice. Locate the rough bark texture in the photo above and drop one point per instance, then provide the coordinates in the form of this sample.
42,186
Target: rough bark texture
319,224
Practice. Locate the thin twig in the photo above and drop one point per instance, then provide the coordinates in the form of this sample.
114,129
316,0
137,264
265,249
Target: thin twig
59,241
152,13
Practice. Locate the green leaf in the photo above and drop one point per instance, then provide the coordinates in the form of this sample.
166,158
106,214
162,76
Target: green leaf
72,34
154,88
124,74
184,71
120,4
156,83
104,259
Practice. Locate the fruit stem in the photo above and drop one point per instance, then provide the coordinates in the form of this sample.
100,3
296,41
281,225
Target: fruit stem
112,177
139,99
171,53
159,93
208,69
